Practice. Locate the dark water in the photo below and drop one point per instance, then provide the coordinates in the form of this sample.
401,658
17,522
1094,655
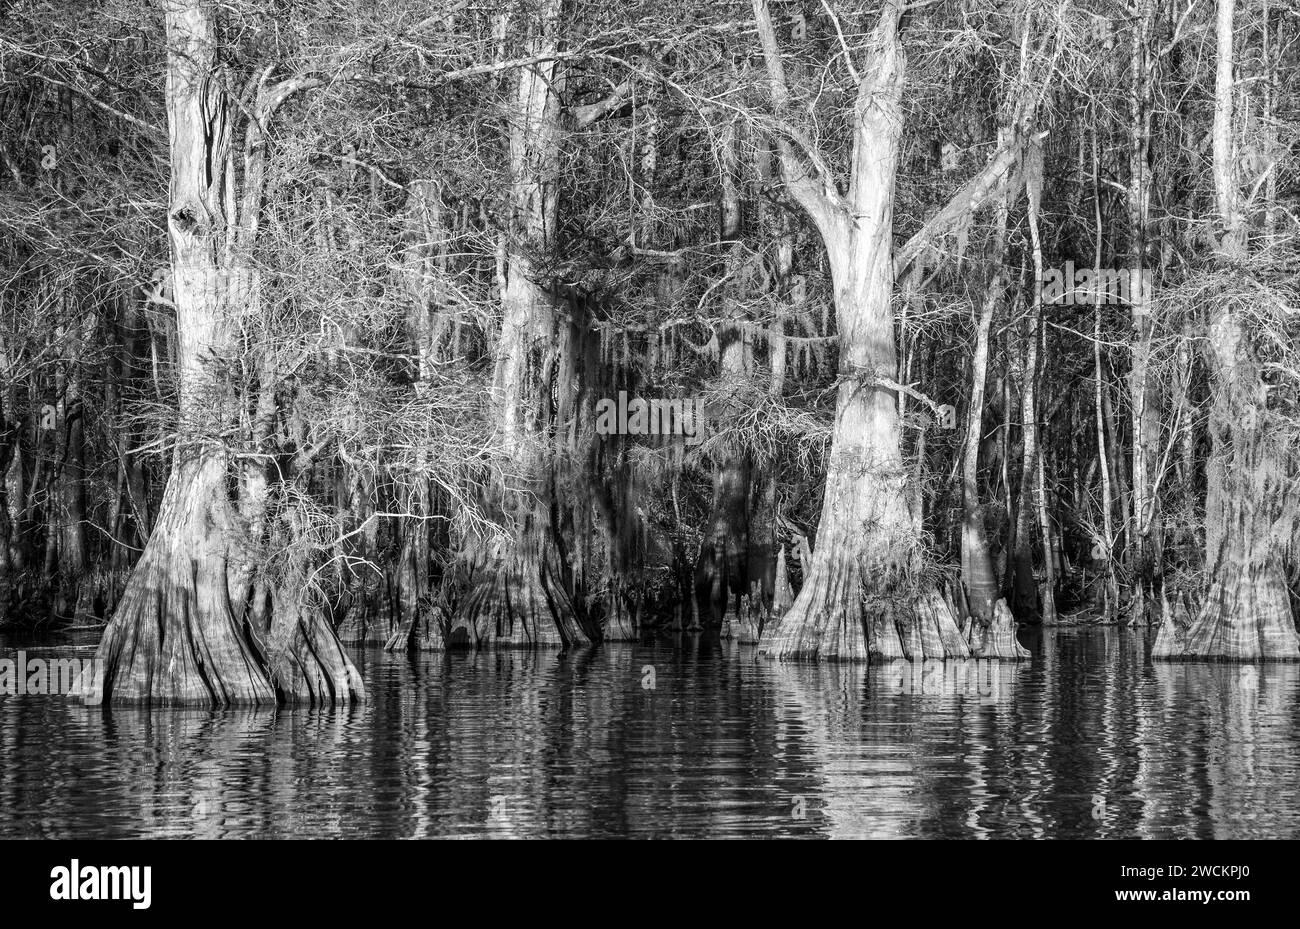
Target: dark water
1087,740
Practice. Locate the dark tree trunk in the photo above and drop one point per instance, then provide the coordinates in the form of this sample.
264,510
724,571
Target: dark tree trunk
518,597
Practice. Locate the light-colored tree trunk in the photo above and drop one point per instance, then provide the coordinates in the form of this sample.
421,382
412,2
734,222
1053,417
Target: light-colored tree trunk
1034,473
866,557
1246,612
981,581
1110,594
182,632
68,516
1144,537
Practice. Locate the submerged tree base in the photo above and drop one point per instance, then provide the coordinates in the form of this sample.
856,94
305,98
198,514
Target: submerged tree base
179,637
920,627
175,638
516,601
369,618
747,629
912,626
423,630
825,622
621,618
998,638
745,618
834,623
1245,616
307,661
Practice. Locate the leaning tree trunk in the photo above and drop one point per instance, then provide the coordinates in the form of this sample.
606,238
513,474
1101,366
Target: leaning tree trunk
1246,613
181,633
981,581
518,595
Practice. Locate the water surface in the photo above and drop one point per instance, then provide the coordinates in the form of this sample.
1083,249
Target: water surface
1089,739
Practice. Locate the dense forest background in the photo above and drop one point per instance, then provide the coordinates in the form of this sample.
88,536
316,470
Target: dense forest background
307,310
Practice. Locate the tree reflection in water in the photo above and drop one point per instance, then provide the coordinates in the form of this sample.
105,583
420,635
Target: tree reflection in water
1088,740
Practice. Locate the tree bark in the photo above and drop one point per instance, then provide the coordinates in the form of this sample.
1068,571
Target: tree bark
519,597
1144,536
866,547
182,632
1246,614
722,569
982,587
1110,594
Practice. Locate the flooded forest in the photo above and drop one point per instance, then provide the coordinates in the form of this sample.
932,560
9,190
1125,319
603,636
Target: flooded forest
861,331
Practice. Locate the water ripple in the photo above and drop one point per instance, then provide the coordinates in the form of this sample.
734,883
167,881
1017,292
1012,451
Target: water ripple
1088,740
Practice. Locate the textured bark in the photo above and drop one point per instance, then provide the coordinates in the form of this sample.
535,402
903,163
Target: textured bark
10,467
998,639
368,614
1110,594
1034,473
867,552
722,570
981,582
306,661
783,594
519,596
751,615
1021,581
916,629
517,600
1144,537
415,621
182,632
621,616
1246,614
69,478
177,636
412,619
369,617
